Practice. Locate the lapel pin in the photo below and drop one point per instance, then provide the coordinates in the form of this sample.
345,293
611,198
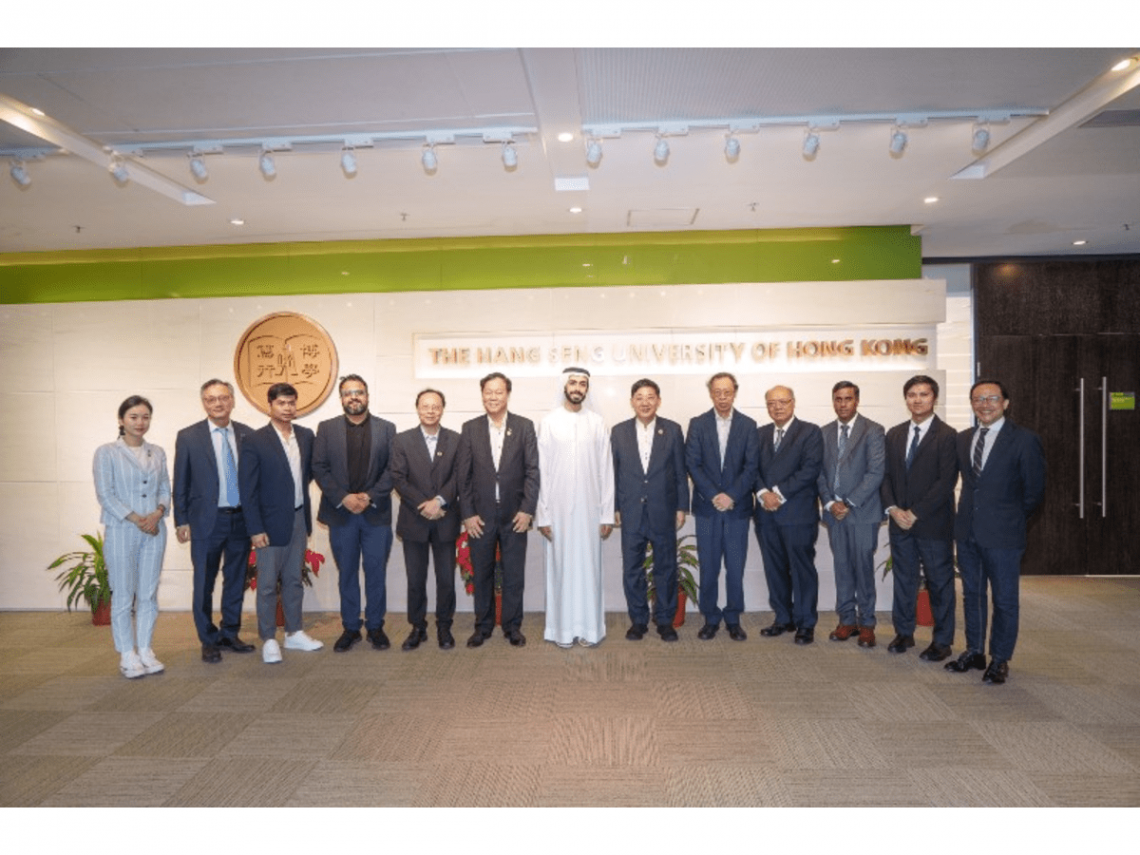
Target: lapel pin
439,454
660,432
508,431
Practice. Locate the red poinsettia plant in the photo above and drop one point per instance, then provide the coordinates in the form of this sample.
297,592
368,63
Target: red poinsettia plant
467,569
310,567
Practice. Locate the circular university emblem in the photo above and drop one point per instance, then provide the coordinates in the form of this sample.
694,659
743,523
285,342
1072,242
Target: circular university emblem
286,348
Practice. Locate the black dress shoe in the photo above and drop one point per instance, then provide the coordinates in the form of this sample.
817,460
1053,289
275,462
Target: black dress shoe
516,638
477,638
418,634
736,633
806,635
378,639
708,631
235,644
636,632
346,640
446,639
667,632
777,629
967,661
900,643
210,653
996,673
935,652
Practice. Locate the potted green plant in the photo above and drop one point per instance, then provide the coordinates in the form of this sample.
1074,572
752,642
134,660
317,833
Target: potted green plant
923,615
84,579
687,562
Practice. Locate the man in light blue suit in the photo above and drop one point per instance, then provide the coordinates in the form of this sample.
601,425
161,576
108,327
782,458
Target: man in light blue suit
787,522
854,461
651,499
722,454
208,514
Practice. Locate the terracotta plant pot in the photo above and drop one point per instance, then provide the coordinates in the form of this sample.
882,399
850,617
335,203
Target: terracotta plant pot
923,616
280,613
679,618
498,608
102,614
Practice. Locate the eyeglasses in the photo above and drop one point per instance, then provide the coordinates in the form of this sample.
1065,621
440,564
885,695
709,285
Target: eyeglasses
987,399
354,393
218,399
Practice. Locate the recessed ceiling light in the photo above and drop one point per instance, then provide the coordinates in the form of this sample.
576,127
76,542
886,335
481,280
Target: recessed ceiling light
1079,242
38,111
1120,66
575,210
930,200
565,136
237,221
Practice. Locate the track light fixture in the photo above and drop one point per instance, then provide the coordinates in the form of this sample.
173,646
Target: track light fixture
429,160
19,173
348,162
661,151
594,153
980,140
266,164
198,168
898,141
731,148
811,144
119,172
510,156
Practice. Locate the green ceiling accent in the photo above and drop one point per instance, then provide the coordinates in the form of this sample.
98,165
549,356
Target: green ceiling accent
543,261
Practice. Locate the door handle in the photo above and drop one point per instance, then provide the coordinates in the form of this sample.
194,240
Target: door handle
1081,450
1103,447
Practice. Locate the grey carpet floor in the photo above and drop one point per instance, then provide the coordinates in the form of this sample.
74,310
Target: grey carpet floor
695,723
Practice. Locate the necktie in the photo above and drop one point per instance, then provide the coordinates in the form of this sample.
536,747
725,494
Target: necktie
230,466
842,446
979,448
779,438
913,448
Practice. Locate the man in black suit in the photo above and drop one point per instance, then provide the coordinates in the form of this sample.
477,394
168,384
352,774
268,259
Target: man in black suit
276,468
498,494
722,456
207,513
1003,483
918,496
423,473
651,499
787,516
351,466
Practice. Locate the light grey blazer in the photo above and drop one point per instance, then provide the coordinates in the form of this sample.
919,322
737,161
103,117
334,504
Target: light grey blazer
123,485
860,471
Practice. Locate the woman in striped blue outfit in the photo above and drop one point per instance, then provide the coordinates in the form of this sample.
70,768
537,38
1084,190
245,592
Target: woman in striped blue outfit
133,487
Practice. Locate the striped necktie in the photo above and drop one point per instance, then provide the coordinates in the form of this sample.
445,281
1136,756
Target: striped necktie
979,450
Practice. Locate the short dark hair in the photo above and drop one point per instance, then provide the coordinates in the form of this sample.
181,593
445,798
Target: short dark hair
442,400
281,390
641,384
918,379
355,377
989,382
495,375
133,401
215,382
845,384
720,375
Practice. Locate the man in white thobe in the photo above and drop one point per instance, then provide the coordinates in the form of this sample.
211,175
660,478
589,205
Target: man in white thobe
575,513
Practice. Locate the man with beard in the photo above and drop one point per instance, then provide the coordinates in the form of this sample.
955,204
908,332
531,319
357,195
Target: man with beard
351,466
575,513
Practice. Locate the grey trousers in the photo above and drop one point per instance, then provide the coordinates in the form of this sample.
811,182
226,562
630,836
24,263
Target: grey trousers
281,563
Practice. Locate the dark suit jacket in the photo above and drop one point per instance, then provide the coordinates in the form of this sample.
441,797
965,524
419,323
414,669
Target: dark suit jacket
741,461
330,469
860,471
927,488
657,494
517,476
196,476
267,483
417,479
794,469
995,506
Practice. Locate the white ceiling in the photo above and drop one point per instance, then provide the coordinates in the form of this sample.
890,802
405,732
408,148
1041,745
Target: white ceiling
1082,183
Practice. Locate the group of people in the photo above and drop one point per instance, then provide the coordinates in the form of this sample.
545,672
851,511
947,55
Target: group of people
575,481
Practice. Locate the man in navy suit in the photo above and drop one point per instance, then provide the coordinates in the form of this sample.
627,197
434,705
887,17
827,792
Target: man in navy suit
498,495
651,498
276,468
1003,483
918,496
853,465
351,459
787,519
423,473
722,456
207,512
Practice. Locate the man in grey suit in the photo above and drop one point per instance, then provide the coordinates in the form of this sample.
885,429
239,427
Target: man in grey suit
651,499
498,495
853,466
423,473
207,513
351,466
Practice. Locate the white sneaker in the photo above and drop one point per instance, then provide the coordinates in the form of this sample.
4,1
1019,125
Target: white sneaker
300,641
270,651
150,662
131,665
